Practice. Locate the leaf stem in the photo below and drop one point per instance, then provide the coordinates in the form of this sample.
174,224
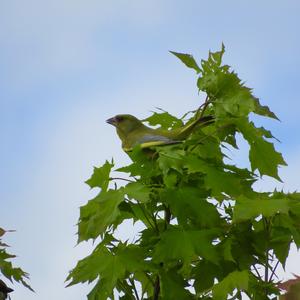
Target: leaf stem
134,289
120,178
254,267
148,220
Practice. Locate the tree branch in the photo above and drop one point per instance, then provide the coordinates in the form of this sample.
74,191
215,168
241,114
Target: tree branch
156,288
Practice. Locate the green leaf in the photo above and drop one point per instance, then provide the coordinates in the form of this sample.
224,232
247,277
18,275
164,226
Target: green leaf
189,204
100,177
209,149
262,155
204,274
165,120
246,209
287,222
138,191
232,281
141,165
108,267
170,179
99,213
7,269
218,55
237,103
226,246
215,177
188,60
178,244
280,242
170,157
265,158
173,286
89,268
263,110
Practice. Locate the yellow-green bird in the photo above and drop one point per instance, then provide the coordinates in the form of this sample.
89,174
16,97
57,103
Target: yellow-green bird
133,132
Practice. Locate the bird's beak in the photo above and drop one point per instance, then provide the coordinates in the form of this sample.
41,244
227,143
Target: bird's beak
111,121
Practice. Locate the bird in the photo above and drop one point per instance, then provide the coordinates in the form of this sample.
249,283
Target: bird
4,290
133,132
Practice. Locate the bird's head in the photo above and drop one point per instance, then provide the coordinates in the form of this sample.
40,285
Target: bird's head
125,123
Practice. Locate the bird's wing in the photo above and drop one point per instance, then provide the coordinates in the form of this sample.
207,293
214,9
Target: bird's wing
151,140
158,143
145,138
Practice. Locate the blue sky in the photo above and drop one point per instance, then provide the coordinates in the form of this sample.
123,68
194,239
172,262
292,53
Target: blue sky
66,66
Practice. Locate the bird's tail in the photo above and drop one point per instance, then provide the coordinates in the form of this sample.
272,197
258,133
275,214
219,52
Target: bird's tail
206,120
188,128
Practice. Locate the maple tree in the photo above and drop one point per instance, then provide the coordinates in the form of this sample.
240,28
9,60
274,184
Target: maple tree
205,232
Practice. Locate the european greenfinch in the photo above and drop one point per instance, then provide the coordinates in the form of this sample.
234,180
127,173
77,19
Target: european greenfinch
133,132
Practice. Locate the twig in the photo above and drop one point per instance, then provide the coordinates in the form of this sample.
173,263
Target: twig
254,267
134,289
202,105
237,294
148,220
167,216
146,285
273,271
206,103
208,136
125,287
119,178
267,229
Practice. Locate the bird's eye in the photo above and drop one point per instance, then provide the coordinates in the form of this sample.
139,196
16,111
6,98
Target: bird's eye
119,119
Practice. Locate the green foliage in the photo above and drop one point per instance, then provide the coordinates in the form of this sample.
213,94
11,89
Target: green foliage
204,233
7,268
234,280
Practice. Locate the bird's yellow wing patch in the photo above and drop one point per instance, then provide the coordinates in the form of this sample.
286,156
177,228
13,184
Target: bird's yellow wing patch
152,144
